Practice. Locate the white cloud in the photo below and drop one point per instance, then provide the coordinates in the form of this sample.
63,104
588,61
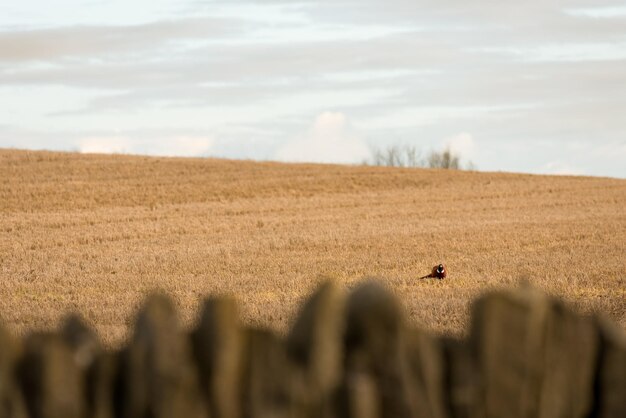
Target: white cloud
605,12
564,52
526,76
331,139
461,144
105,145
560,168
182,147
165,147
613,150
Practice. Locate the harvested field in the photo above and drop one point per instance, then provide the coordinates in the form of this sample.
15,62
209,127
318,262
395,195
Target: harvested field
95,233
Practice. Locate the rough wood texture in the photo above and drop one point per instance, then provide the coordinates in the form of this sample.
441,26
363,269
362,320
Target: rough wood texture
527,355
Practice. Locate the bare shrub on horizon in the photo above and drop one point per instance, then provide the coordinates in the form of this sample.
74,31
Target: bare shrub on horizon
445,159
409,156
397,156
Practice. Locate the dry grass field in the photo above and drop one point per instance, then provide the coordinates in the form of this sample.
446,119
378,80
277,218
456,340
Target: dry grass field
95,233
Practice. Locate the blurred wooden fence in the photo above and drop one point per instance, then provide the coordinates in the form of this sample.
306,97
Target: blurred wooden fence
526,356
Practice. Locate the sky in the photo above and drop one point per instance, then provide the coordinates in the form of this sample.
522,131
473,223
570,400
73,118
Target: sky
536,86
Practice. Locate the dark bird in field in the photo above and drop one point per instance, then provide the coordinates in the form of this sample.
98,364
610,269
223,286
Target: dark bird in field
439,272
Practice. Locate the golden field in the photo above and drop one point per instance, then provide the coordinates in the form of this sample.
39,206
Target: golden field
95,233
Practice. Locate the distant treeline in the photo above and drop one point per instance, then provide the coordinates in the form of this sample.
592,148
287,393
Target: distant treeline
410,156
526,355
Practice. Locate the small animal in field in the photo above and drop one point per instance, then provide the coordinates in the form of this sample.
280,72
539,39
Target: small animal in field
439,272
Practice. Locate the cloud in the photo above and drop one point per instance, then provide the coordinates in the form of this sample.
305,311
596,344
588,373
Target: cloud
165,147
182,147
560,168
51,44
613,150
331,139
105,145
605,12
461,144
508,73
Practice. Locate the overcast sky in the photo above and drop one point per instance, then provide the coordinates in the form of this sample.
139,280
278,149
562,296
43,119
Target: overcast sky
532,86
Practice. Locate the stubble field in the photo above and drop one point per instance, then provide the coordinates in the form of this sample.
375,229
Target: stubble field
95,233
